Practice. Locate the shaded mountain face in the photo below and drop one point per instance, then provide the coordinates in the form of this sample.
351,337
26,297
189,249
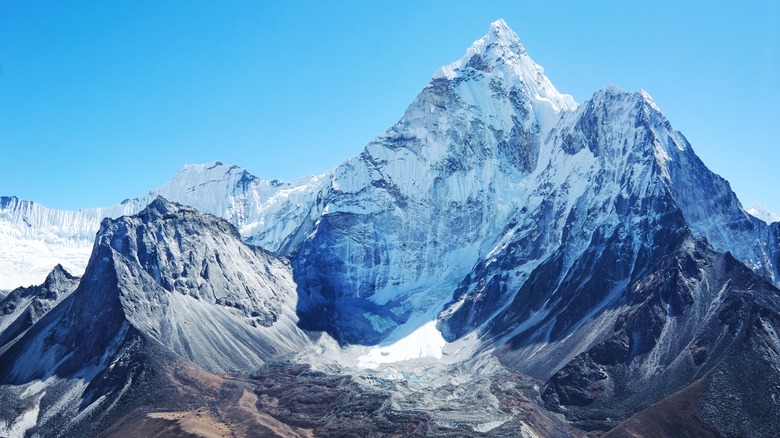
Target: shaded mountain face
695,317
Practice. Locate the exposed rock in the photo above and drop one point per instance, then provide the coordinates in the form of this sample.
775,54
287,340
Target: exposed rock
24,306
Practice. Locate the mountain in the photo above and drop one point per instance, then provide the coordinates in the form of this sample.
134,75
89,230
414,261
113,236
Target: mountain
404,221
24,306
759,211
501,261
36,238
490,162
171,283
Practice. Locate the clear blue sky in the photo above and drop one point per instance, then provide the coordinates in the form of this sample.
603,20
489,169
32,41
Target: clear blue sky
104,100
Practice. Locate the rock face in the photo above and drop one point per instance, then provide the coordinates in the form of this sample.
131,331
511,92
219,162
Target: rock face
177,267
24,306
697,315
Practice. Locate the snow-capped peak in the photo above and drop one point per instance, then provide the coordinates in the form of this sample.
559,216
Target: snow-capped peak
612,90
501,33
216,170
759,211
500,44
501,54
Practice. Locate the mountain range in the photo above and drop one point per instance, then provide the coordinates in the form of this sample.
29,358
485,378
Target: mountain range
500,262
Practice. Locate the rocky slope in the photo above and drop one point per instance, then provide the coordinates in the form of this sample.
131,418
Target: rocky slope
24,306
695,318
170,301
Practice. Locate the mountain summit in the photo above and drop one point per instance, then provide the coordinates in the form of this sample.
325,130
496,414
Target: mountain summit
763,213
501,56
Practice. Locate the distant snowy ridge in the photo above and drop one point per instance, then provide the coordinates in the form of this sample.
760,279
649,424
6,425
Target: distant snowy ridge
35,238
759,211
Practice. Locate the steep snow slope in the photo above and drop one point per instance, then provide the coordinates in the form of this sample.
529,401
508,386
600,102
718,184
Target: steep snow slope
613,177
598,181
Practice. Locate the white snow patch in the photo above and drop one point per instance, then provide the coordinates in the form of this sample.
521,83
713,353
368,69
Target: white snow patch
488,426
22,423
34,388
426,341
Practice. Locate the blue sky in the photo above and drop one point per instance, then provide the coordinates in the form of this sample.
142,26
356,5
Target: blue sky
101,101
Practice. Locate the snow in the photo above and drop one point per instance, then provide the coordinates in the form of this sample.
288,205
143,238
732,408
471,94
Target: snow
424,342
34,238
36,387
759,211
489,425
22,423
510,62
26,260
